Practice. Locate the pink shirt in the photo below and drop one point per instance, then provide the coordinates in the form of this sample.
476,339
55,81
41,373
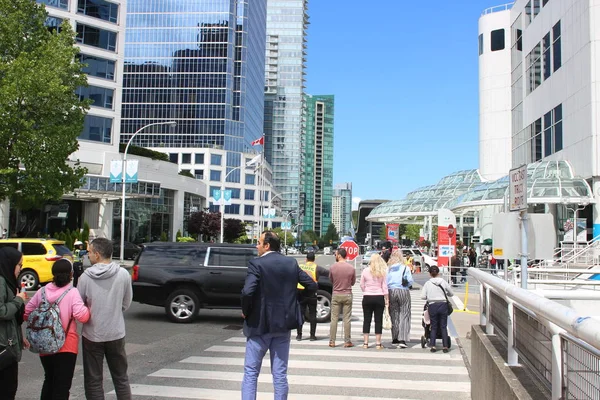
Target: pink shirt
71,306
372,286
343,277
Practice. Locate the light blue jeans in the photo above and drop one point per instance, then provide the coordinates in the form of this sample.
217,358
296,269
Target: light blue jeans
278,345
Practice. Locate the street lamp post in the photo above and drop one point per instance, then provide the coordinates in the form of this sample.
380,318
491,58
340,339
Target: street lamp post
271,198
123,178
284,231
222,205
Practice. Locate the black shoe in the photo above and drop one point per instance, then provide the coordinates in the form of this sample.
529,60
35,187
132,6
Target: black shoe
433,350
313,338
395,341
299,337
403,344
445,350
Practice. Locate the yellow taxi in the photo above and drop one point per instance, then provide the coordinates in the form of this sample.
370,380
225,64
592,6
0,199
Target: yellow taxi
38,257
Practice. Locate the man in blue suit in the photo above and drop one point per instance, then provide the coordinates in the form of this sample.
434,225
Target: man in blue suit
270,310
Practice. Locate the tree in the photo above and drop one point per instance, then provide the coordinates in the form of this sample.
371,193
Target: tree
233,229
41,116
205,223
331,235
413,232
282,236
309,236
383,232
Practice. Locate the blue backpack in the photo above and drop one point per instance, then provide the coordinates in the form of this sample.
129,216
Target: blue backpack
44,329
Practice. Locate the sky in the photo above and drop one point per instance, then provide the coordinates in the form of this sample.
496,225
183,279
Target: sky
405,79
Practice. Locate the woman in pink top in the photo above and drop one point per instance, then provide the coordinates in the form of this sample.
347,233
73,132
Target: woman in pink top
59,367
375,298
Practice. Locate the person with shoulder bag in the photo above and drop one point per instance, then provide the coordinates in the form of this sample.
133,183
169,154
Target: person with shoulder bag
436,292
43,332
399,281
11,317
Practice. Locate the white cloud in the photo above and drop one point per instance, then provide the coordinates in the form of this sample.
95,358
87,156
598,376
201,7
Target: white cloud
355,201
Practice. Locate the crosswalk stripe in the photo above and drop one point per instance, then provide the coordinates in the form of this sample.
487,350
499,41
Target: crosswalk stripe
177,392
327,381
339,366
322,340
341,352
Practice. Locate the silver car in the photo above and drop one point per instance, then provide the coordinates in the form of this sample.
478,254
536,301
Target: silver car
366,258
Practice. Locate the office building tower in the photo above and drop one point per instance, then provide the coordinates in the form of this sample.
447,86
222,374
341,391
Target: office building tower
318,163
200,64
287,21
342,208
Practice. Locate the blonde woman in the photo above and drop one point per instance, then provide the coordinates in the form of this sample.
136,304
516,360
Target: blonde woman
399,280
375,298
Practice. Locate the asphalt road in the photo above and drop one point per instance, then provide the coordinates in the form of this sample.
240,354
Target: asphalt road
157,346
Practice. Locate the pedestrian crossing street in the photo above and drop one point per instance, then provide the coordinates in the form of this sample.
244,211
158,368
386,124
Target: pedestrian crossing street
319,372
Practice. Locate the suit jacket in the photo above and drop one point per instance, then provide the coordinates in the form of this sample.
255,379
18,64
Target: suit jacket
269,296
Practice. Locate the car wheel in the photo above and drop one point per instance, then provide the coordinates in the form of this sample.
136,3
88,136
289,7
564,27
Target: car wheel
426,269
182,305
30,279
323,306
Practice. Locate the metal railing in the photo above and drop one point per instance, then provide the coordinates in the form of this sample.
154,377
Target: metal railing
559,346
495,9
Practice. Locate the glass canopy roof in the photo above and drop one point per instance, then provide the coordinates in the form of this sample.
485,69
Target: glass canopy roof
547,182
426,200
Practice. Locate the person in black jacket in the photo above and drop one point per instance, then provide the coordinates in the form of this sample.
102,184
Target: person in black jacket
270,310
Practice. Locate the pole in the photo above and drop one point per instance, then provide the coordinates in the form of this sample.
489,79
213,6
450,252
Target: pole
123,179
222,206
524,246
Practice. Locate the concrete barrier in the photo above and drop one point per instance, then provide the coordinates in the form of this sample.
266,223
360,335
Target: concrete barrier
491,378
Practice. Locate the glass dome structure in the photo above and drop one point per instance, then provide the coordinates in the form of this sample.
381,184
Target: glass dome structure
426,201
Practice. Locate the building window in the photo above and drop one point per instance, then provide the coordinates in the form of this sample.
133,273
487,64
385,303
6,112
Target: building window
248,210
213,208
553,140
536,134
556,50
98,67
199,158
232,209
547,56
235,193
498,40
250,179
186,158
56,3
481,44
101,97
215,176
53,24
199,174
534,68
97,129
174,158
96,37
99,9
249,194
216,159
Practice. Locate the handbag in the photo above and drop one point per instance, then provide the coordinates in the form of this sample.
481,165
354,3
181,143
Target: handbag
450,308
404,280
387,320
7,356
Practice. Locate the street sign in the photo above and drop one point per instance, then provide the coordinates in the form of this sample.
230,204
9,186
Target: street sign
351,249
451,230
517,189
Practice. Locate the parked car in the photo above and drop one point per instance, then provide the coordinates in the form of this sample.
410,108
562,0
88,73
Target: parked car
425,260
366,258
38,257
131,250
185,277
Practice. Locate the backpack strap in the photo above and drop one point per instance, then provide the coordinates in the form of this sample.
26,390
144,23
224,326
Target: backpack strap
43,294
62,295
443,290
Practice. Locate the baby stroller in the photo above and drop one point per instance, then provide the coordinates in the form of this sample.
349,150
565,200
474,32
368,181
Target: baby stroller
427,331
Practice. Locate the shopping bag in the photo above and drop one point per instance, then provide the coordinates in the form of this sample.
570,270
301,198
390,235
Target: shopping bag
387,320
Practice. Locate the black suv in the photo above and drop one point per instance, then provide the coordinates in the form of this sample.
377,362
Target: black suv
184,277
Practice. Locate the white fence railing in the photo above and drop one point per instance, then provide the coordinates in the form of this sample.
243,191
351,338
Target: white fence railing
561,347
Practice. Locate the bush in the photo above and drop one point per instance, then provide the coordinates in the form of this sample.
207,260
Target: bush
185,239
143,152
163,237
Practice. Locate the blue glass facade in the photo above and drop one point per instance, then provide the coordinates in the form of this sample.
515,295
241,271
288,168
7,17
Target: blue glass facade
199,63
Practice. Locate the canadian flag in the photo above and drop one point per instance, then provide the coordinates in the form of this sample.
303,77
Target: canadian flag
260,141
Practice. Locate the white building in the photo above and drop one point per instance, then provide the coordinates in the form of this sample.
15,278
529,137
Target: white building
342,208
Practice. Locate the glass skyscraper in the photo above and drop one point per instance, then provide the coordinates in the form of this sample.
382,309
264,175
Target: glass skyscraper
200,63
318,163
287,21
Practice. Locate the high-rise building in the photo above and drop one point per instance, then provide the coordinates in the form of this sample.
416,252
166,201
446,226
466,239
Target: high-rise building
200,64
318,162
342,208
287,21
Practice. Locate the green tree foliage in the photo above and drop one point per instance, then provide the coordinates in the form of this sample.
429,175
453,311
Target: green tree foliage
233,229
331,235
282,235
178,235
41,115
143,152
383,232
309,236
185,172
413,232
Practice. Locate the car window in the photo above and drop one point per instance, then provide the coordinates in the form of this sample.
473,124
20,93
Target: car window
230,256
406,253
13,245
172,256
33,249
61,250
417,252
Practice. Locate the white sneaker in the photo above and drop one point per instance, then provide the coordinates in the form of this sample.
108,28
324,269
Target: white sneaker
402,344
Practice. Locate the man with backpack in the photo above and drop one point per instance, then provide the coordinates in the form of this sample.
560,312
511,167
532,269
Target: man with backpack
105,288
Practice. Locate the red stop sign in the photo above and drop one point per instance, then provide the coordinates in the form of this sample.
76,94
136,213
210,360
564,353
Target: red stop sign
351,249
451,231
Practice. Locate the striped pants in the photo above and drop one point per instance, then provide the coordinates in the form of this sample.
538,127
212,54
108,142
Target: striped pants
400,314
